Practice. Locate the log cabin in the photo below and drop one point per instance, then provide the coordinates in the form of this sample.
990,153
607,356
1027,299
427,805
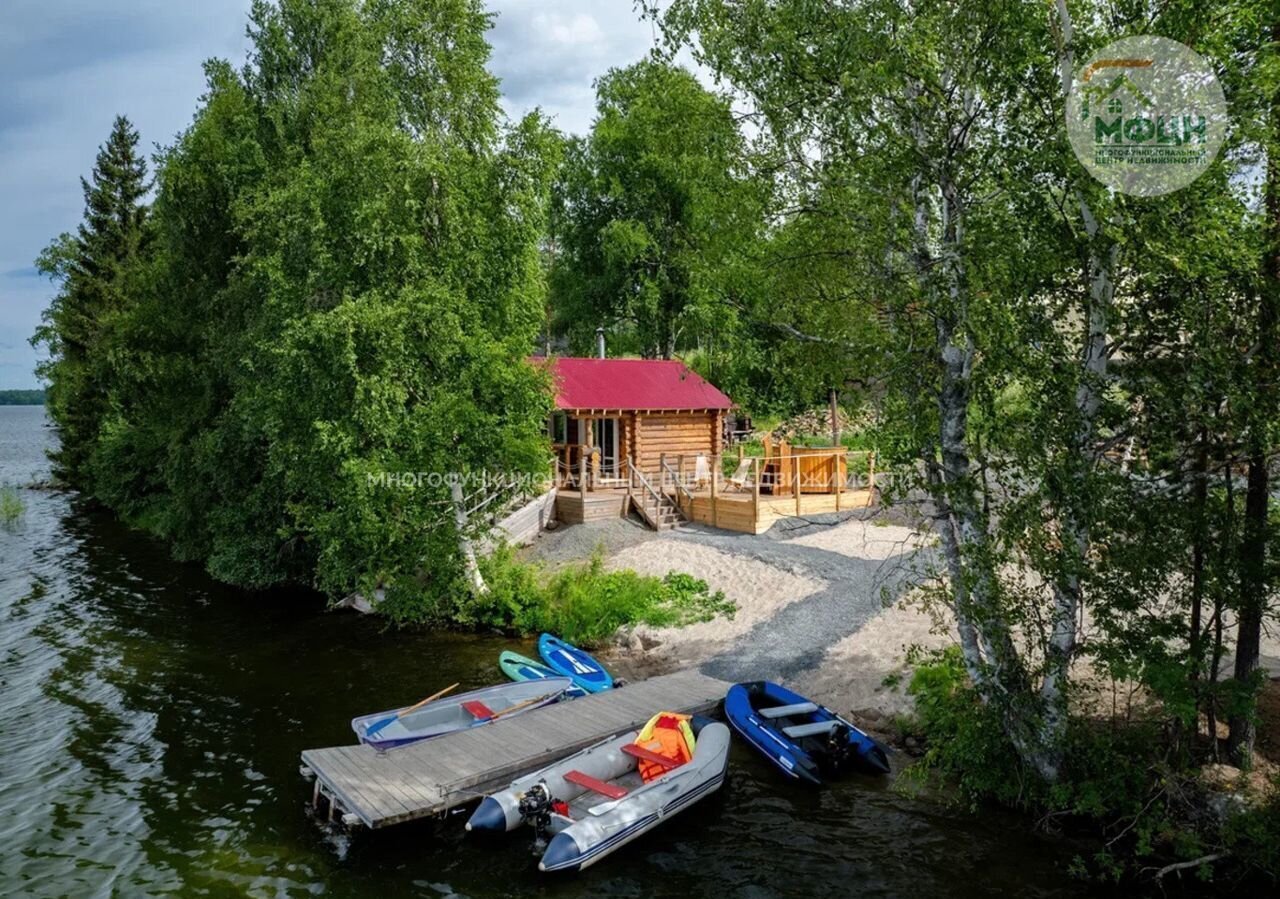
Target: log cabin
647,435
609,411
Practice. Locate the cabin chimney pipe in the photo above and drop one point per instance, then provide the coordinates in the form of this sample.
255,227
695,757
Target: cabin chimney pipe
600,342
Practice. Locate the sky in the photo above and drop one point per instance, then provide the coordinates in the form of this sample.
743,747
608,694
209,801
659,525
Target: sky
67,67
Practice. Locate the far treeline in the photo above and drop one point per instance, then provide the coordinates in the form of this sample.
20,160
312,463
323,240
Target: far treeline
340,267
21,397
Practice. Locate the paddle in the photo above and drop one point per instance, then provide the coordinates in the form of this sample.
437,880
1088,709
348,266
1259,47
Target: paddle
521,705
376,726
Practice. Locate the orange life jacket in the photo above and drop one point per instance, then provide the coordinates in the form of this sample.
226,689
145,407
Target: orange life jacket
669,735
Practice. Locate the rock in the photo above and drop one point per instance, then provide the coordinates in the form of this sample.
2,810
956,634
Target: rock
1226,805
1220,778
358,602
911,743
871,716
648,642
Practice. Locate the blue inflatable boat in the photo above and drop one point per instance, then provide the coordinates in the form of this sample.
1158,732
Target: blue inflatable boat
570,661
807,741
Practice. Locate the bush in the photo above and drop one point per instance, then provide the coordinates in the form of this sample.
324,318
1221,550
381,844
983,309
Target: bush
965,744
1253,837
584,604
1117,787
11,506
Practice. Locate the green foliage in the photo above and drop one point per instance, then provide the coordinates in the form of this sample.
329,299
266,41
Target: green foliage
11,506
965,740
1252,837
80,330
583,603
654,215
342,282
1119,783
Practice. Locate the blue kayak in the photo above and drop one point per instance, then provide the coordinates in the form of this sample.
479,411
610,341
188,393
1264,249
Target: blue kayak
570,661
523,668
807,741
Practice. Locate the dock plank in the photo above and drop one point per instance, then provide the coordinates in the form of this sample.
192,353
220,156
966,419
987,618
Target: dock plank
428,778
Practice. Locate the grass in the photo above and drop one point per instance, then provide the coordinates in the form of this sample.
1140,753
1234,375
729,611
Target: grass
11,506
585,604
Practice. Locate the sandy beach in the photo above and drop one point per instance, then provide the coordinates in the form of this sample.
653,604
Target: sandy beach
819,605
827,606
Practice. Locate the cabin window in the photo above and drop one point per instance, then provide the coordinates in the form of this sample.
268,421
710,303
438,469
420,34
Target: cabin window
559,427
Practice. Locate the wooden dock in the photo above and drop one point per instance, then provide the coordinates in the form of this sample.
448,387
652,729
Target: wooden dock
362,785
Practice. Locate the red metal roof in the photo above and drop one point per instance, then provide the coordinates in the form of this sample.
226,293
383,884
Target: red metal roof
648,384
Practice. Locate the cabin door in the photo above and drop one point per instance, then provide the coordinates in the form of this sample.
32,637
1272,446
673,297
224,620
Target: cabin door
607,436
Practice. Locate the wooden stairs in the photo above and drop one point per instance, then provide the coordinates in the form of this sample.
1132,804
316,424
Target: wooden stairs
659,510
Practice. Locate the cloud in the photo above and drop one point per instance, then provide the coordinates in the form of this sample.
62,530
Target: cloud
68,67
549,56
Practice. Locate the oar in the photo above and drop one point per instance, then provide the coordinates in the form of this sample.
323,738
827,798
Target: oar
520,705
380,724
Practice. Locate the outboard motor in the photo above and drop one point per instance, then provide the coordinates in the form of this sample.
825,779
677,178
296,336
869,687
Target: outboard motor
535,808
838,750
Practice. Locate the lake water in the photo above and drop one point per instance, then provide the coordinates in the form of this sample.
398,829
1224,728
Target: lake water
153,719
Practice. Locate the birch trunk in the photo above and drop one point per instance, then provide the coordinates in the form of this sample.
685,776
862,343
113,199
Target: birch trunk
986,645
1067,592
465,548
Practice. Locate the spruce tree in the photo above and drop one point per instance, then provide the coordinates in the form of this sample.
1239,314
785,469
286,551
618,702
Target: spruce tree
89,267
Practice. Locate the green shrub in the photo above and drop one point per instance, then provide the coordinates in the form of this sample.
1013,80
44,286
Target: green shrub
1117,785
965,744
11,506
583,604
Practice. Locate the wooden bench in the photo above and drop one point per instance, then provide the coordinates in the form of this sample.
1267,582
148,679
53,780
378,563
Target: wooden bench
635,750
595,785
478,709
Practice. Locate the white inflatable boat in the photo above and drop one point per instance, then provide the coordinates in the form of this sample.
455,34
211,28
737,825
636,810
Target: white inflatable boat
603,797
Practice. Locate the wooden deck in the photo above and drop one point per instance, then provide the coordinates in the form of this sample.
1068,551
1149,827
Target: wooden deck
364,786
740,512
733,511
579,507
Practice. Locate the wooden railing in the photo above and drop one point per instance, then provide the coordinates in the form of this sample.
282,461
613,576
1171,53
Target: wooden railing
581,463
663,511
676,479
816,470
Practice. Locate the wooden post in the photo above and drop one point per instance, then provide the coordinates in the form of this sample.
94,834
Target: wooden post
871,476
582,473
741,450
662,472
836,461
835,418
795,478
715,517
755,491
591,447
679,477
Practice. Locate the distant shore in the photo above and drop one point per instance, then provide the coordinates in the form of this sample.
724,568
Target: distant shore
21,397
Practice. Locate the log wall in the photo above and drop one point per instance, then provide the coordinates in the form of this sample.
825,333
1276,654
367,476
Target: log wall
673,434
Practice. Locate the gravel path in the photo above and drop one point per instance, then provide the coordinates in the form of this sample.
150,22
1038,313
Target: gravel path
798,636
